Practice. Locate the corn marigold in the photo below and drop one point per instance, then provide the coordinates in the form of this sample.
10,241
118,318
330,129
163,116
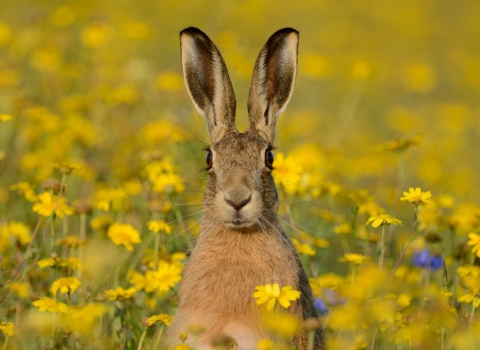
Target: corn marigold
7,328
160,318
303,248
382,219
354,259
271,293
474,241
5,117
26,190
182,347
165,278
265,344
416,196
22,289
124,234
47,262
49,204
157,226
70,242
50,305
120,294
65,285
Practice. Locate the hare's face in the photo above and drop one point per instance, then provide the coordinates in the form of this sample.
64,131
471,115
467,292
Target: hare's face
240,189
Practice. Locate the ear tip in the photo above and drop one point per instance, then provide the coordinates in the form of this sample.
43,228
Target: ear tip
192,31
287,31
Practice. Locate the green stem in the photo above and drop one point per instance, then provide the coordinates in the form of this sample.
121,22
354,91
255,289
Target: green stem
142,338
311,338
155,252
354,268
6,342
159,336
382,254
442,344
474,306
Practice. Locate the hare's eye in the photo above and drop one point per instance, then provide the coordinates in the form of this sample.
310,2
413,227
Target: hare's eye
209,159
269,159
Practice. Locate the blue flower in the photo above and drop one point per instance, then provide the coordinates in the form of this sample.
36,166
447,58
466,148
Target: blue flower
436,262
320,306
421,258
425,259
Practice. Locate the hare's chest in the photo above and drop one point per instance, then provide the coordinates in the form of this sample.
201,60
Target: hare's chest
227,276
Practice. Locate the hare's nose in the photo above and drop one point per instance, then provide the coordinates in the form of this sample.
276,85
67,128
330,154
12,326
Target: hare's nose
238,204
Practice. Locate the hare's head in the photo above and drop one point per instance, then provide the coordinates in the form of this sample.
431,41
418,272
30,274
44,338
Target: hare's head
240,189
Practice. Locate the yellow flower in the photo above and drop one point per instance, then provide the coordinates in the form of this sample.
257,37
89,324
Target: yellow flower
330,280
7,328
70,242
96,34
82,319
303,248
22,289
159,225
107,199
51,305
101,223
16,229
283,324
272,293
24,189
182,347
354,259
124,234
265,344
416,196
382,219
322,243
5,117
65,285
168,183
469,298
71,263
50,204
343,229
162,318
47,262
287,172
120,294
469,270
474,241
165,278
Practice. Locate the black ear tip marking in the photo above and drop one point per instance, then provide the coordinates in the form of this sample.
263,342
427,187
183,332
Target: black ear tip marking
192,31
287,31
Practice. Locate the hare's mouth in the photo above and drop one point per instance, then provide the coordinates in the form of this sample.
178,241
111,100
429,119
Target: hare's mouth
237,224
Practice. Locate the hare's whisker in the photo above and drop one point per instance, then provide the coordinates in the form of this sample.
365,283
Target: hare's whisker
188,228
185,204
186,216
302,227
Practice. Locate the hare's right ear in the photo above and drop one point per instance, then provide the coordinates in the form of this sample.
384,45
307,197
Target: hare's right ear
208,83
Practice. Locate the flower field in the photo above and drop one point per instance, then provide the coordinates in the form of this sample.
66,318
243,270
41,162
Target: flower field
102,159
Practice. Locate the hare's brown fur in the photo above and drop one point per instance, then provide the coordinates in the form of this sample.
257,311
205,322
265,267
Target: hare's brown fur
240,246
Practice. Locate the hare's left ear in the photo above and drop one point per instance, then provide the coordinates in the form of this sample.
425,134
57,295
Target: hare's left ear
272,82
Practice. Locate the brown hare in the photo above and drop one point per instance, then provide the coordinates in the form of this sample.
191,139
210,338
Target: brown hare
241,244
